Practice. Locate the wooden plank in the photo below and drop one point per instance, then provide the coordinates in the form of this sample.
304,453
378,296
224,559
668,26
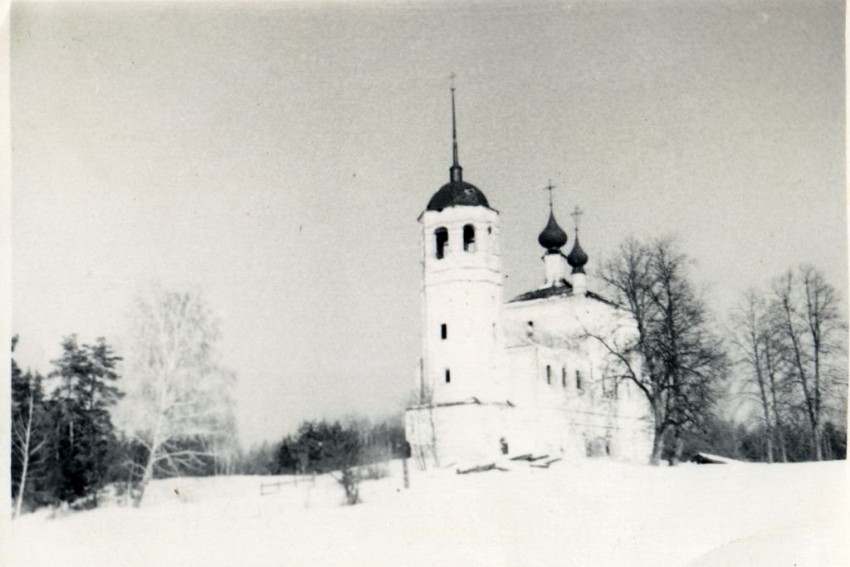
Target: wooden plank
481,468
525,457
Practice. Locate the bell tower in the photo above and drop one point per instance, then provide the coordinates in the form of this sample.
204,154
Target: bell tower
461,290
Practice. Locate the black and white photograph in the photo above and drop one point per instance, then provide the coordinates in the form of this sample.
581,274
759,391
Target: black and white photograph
450,283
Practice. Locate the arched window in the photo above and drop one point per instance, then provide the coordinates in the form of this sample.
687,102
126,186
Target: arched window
469,238
442,236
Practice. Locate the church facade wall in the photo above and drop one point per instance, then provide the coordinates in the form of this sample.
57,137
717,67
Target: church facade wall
519,377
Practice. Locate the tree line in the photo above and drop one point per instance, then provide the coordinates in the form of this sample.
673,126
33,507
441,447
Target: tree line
99,422
64,444
84,427
791,343
352,450
785,350
772,386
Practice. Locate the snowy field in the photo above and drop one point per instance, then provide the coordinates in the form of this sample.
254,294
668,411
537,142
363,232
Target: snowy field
594,512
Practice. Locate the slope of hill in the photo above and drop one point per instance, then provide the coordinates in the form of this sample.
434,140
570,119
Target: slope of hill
593,512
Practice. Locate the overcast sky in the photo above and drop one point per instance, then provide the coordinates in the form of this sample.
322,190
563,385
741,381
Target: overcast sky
276,157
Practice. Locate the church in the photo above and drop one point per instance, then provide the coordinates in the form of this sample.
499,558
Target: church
525,376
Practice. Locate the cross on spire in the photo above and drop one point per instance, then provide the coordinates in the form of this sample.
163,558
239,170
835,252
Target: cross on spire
576,214
549,188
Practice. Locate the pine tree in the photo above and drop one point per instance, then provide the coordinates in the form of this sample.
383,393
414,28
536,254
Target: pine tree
84,438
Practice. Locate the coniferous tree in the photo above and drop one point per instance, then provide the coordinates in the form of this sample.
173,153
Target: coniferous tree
83,437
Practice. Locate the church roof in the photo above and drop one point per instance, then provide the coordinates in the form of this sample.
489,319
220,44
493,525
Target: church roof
553,291
457,192
557,291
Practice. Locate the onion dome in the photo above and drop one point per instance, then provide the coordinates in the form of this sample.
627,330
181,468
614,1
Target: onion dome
577,258
553,236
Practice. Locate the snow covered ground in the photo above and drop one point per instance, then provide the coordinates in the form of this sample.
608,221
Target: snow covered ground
593,512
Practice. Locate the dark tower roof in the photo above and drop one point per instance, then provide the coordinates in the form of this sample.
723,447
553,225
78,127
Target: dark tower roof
457,191
553,236
577,258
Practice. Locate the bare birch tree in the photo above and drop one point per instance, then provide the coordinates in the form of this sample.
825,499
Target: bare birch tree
28,437
179,404
755,335
813,335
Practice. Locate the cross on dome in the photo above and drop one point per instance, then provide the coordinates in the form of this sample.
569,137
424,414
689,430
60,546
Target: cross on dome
553,236
576,214
549,188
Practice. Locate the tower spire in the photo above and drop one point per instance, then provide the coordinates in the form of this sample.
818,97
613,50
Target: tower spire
456,171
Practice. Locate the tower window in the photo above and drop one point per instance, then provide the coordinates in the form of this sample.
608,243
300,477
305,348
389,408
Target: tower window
442,236
469,238
548,374
578,380
564,376
444,331
448,376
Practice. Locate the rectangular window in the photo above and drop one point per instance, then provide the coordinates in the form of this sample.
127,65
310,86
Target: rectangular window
469,238
548,374
444,331
578,380
564,376
442,236
448,376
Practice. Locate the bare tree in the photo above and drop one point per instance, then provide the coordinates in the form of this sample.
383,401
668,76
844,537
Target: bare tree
812,334
756,338
777,381
28,438
673,358
179,404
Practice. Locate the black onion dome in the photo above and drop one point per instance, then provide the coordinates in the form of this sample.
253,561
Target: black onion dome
553,236
457,193
577,258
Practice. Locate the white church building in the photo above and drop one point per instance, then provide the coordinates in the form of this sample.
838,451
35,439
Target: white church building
519,377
